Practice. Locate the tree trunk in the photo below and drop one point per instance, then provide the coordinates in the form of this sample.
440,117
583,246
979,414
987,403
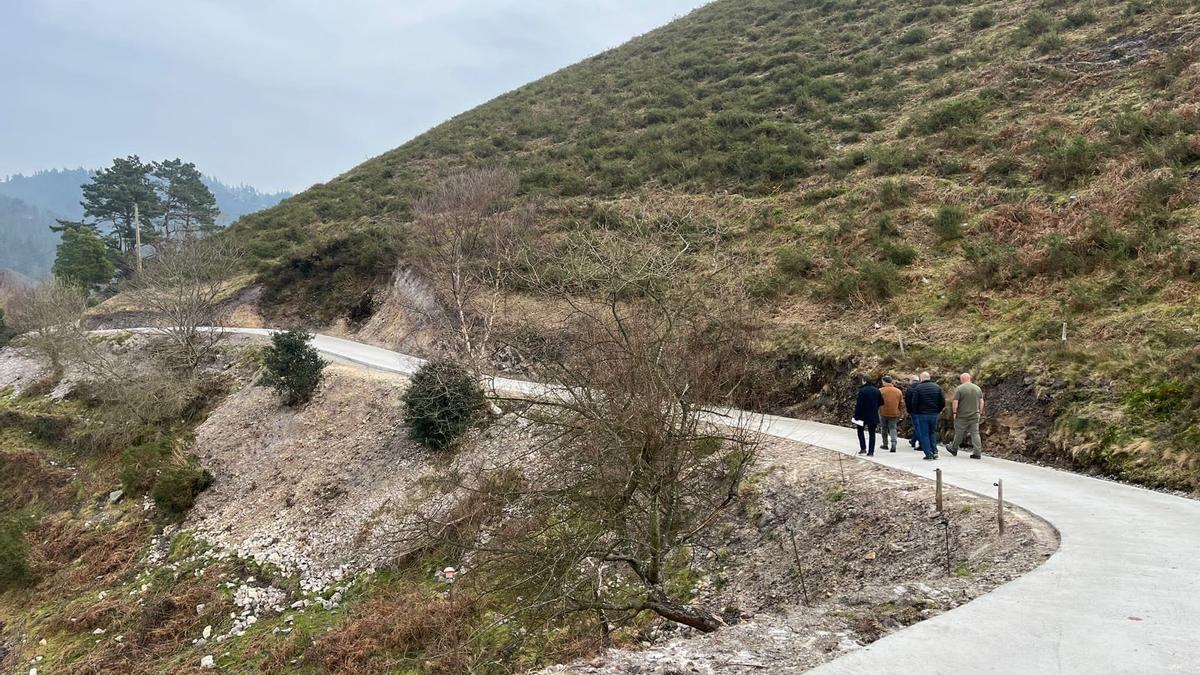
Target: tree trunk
689,615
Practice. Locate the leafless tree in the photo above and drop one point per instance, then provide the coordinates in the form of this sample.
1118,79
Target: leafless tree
47,318
629,472
462,241
183,287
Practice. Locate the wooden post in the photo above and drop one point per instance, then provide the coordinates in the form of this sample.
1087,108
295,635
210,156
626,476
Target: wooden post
1000,504
938,497
842,468
1064,333
137,237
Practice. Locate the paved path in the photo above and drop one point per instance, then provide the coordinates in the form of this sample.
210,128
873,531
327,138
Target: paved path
1121,595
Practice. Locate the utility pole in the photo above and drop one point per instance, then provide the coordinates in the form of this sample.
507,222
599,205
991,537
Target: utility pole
137,238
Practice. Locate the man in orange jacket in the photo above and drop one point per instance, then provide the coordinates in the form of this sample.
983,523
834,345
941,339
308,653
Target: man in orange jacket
890,412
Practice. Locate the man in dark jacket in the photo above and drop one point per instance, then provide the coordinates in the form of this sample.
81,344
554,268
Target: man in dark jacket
913,381
866,414
928,400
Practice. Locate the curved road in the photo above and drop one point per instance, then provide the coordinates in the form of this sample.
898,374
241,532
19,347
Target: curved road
1121,595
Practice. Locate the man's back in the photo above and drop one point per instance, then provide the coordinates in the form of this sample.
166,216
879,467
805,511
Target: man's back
928,399
968,396
891,401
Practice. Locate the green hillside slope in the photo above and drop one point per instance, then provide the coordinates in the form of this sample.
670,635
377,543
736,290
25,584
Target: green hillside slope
976,179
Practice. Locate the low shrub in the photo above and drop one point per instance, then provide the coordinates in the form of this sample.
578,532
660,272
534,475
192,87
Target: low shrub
177,487
793,261
899,254
914,36
442,402
989,264
1067,160
1035,24
869,281
293,366
982,18
14,556
947,224
895,193
140,465
960,112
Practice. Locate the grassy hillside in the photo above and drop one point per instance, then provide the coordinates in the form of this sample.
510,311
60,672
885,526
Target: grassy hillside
975,178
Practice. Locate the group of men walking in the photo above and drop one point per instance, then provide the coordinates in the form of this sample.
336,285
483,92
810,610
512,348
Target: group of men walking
923,400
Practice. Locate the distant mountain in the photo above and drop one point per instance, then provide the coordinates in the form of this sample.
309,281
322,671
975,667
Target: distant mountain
30,204
57,191
26,242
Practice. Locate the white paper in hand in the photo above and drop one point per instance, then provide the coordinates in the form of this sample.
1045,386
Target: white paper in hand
857,423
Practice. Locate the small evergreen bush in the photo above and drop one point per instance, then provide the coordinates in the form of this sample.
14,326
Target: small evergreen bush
793,261
442,402
14,556
1069,159
178,486
294,368
947,224
983,18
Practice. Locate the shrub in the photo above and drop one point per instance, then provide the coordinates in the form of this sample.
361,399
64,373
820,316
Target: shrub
894,193
1082,17
1050,42
442,402
178,486
957,113
947,224
14,556
989,264
983,18
1066,160
914,36
294,368
1035,25
871,280
140,465
793,261
899,254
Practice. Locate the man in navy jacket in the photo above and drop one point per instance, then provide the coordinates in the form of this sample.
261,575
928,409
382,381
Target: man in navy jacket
866,414
928,400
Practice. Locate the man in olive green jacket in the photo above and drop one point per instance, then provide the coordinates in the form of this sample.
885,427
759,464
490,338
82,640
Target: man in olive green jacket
968,409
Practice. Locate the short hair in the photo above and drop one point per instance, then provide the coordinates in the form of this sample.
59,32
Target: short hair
925,375
887,378
914,378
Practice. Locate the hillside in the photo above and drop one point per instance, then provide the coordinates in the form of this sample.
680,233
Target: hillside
26,242
971,180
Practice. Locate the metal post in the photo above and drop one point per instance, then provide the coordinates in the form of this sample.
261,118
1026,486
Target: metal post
799,567
938,498
1000,504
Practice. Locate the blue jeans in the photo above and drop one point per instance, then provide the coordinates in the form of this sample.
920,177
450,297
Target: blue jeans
925,429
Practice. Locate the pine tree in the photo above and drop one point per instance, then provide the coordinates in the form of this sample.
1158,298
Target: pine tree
111,195
189,207
83,257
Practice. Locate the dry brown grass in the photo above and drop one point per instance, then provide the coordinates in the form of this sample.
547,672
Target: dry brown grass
399,624
72,558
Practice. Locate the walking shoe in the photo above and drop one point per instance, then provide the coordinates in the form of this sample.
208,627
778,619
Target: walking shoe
870,454
862,452
976,455
928,459
892,450
953,451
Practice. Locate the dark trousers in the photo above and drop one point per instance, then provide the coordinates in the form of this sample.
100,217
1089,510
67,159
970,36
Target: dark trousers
925,429
862,442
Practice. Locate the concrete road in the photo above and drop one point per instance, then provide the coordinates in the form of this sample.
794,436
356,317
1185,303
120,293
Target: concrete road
1121,595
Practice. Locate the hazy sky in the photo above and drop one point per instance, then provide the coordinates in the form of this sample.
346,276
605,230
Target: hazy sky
279,94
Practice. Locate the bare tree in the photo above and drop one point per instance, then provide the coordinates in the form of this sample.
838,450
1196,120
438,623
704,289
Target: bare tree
47,318
629,474
462,242
183,287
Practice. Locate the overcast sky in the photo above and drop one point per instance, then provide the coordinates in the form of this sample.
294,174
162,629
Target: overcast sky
278,94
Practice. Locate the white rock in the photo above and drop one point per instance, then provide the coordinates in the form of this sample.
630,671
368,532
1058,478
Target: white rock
207,632
208,662
98,631
200,608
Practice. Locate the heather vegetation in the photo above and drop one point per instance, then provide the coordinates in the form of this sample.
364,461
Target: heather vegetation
965,177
